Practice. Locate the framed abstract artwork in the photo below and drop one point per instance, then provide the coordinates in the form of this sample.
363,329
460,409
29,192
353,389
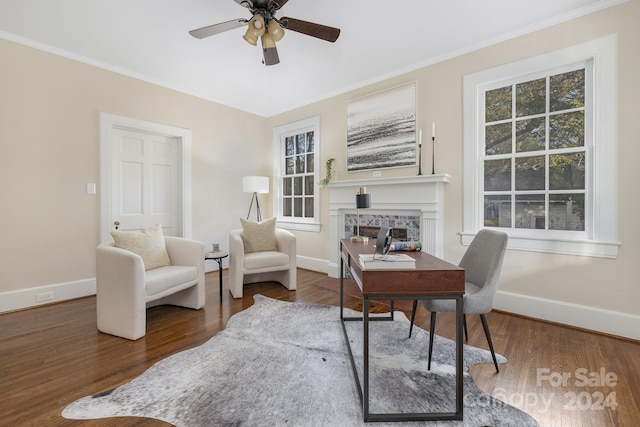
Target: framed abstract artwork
381,130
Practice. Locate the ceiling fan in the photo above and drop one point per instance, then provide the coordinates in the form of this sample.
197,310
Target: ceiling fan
264,25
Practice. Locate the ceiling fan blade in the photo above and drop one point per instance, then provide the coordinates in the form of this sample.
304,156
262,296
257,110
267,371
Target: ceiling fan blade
312,29
245,3
279,3
270,56
221,27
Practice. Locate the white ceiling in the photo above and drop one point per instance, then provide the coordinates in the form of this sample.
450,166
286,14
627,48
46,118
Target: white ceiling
149,40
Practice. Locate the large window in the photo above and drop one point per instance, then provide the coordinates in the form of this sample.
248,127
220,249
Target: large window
535,153
540,151
295,170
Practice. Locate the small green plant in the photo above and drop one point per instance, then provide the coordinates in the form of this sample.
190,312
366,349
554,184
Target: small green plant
328,172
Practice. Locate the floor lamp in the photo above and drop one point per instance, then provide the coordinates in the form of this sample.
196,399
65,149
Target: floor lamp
255,185
363,201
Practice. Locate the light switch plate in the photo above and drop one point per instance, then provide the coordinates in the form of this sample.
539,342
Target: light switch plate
91,188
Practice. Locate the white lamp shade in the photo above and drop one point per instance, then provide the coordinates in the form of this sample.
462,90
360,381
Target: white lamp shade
255,184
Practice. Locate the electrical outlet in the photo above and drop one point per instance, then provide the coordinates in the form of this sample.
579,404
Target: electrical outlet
44,296
377,174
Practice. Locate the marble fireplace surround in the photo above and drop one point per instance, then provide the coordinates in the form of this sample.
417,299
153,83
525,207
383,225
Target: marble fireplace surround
420,195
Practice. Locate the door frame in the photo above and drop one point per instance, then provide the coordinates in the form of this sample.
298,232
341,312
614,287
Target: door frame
109,122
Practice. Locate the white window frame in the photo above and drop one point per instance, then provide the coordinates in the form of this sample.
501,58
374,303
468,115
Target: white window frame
279,135
600,236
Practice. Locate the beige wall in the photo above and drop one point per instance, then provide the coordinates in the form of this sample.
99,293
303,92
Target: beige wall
49,151
592,282
49,143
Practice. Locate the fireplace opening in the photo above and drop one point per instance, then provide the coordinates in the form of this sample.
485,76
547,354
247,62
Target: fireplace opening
406,228
398,234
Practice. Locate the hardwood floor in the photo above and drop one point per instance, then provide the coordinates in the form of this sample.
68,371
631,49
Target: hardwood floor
52,355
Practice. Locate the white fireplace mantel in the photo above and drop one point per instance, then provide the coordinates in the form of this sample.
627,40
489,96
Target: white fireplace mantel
420,195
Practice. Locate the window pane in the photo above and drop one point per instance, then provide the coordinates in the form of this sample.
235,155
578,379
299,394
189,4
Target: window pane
566,130
297,207
299,164
530,135
287,186
286,206
497,104
530,173
497,175
498,139
497,211
531,97
566,171
310,142
530,212
297,185
290,146
310,164
300,143
308,185
566,212
290,166
308,207
566,91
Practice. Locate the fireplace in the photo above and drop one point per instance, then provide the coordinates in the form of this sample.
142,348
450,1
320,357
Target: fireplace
414,203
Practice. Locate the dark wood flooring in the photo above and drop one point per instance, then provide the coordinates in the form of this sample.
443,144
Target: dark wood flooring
52,355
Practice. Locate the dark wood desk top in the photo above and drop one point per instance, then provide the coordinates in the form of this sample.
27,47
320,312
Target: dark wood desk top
432,276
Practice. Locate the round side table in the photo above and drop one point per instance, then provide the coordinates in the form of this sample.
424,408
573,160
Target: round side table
218,256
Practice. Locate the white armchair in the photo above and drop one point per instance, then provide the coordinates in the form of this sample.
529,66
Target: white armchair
279,266
125,290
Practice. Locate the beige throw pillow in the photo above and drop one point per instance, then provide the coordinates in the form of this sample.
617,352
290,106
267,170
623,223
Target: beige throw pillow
148,243
259,236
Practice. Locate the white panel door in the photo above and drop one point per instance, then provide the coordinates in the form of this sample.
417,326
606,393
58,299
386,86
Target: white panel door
145,178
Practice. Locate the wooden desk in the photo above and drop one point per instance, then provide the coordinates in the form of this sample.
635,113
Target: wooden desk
432,278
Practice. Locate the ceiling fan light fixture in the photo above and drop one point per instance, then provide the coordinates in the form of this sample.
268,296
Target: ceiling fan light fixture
255,30
275,31
268,41
264,24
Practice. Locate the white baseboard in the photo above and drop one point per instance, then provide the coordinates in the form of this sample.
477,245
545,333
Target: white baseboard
333,270
581,316
27,298
314,264
590,318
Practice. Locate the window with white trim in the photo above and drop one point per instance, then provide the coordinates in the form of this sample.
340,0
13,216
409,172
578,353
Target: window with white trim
296,165
535,152
540,151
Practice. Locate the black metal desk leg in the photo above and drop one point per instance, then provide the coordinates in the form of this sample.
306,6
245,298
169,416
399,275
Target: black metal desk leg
341,288
365,358
459,355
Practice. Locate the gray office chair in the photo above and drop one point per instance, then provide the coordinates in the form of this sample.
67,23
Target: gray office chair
482,263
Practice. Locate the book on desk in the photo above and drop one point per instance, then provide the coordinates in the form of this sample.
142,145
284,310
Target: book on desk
387,262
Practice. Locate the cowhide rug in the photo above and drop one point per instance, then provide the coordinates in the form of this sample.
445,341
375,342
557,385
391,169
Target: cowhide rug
280,363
